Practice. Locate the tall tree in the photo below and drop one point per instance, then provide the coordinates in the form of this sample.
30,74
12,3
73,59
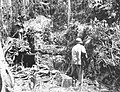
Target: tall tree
69,11
5,73
1,4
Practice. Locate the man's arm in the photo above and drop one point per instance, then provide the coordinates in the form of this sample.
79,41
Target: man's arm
84,53
84,58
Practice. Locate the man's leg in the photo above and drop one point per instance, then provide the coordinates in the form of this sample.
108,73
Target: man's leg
74,74
73,68
80,74
80,77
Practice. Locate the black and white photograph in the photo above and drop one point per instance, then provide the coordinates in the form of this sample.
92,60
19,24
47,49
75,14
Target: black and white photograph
59,45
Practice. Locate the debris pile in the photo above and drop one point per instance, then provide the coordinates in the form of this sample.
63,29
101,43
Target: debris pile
30,78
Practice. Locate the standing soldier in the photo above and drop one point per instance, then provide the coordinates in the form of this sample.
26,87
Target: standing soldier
77,66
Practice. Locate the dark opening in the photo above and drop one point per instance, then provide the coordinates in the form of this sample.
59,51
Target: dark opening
29,60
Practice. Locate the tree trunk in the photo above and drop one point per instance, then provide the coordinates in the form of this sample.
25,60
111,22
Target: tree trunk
25,3
6,75
69,11
1,4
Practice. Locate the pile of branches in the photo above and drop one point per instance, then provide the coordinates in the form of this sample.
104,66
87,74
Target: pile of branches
36,75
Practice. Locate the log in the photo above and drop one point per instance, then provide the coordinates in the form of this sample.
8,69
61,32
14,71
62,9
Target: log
66,81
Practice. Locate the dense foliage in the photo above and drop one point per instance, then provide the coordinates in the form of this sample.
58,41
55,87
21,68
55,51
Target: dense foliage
45,25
